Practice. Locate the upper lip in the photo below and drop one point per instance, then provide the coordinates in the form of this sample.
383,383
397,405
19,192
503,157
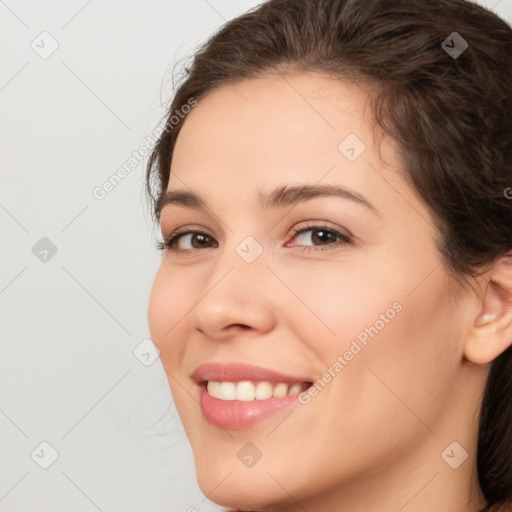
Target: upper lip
236,372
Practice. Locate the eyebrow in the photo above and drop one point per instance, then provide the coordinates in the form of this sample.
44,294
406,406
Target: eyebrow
283,196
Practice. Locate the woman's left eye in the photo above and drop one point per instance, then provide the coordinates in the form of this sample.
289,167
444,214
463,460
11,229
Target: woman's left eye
322,234
322,238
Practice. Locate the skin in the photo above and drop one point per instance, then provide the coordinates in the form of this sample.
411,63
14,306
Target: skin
372,438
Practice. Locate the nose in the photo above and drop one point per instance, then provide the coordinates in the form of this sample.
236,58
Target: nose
236,301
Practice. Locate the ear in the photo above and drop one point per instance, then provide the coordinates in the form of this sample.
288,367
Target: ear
491,333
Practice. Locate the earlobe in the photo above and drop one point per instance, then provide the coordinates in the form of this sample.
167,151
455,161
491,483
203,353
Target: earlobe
491,333
484,318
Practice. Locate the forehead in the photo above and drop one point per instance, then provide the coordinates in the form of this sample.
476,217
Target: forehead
280,109
265,132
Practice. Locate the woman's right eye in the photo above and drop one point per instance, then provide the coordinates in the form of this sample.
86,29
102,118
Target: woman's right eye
188,240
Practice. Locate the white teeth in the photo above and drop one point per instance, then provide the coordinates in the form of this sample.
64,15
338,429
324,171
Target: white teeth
227,390
263,391
247,391
280,390
294,389
213,388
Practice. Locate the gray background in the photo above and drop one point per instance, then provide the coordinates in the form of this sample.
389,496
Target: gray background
72,319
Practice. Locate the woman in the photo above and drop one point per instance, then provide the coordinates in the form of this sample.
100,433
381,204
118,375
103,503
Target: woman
334,303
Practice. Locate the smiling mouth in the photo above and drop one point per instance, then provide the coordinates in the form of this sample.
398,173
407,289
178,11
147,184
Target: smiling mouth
239,396
248,391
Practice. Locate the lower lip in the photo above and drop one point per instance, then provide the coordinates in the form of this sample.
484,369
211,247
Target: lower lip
239,415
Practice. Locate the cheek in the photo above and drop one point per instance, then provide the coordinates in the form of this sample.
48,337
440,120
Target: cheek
157,306
339,300
399,370
166,311
396,340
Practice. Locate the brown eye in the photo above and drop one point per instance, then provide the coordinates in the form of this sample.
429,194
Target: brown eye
322,238
191,240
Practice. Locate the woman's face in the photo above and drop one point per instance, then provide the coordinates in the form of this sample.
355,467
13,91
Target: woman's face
356,302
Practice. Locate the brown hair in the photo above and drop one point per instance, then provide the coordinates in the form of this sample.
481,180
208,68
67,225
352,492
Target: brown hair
451,115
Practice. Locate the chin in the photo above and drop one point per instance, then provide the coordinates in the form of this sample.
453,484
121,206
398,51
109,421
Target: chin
242,490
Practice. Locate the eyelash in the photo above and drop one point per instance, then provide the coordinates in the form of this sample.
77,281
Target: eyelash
170,242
